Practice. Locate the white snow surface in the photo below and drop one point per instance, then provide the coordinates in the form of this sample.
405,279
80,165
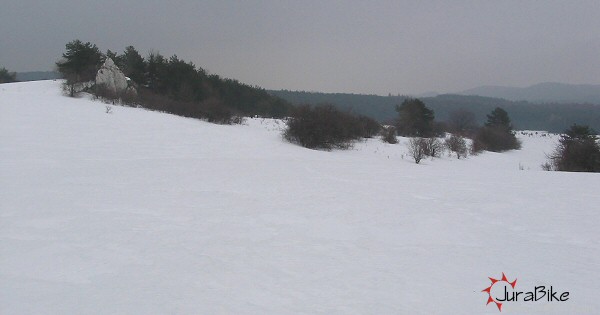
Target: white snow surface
140,212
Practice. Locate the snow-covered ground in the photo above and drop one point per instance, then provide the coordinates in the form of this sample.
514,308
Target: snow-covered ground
139,212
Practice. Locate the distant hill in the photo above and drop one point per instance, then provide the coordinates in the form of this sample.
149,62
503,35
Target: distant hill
542,93
555,117
37,75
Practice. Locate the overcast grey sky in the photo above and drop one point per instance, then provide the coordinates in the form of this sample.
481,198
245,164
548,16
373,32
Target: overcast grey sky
377,47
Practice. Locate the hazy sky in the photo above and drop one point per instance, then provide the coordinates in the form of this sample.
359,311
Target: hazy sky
378,47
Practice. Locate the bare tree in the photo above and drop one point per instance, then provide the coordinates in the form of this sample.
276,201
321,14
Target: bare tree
433,147
458,145
416,148
462,121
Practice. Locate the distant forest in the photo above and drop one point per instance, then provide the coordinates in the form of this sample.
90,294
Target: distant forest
553,117
38,75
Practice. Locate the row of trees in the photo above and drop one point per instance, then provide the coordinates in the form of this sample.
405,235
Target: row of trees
326,127
416,120
188,90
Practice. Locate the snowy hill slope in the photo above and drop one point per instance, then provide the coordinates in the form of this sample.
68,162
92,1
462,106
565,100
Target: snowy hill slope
139,212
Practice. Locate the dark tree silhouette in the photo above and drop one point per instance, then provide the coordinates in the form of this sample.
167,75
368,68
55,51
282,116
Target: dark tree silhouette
499,118
79,64
577,151
497,134
132,64
325,127
415,119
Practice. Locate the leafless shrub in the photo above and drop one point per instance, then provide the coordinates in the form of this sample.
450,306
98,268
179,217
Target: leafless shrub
416,148
458,145
547,166
433,147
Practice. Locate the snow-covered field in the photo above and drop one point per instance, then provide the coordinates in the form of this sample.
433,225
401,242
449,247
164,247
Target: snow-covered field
139,212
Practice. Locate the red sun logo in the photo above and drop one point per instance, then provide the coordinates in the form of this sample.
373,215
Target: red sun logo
489,290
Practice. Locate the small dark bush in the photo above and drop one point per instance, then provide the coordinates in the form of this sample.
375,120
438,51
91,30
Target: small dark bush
325,127
577,151
215,111
388,134
546,166
495,139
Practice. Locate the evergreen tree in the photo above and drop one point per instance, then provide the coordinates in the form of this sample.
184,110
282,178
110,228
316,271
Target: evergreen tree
80,64
499,118
155,72
577,151
415,119
133,65
497,134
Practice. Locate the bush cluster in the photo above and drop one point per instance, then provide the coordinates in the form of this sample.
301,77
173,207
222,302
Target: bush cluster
497,134
388,134
433,147
211,110
458,145
495,139
577,151
325,127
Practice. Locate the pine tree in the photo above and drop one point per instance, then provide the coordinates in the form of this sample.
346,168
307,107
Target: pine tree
415,119
497,134
499,118
80,64
133,65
